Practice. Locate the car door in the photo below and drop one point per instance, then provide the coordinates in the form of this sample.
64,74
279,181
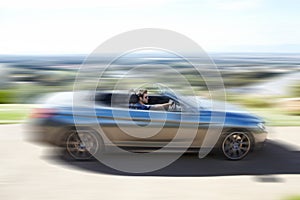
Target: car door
140,128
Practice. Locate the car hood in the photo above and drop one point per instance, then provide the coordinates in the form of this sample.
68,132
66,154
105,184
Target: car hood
207,104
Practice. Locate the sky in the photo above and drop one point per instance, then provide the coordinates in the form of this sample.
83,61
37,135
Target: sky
78,27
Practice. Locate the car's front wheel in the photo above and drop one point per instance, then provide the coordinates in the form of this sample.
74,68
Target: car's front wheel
236,145
83,144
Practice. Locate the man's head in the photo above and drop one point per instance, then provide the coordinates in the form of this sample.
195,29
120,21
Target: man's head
143,96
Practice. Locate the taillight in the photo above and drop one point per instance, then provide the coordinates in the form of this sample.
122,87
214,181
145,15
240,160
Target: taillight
42,113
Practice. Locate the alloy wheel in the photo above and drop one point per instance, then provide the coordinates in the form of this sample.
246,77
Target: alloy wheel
82,145
236,145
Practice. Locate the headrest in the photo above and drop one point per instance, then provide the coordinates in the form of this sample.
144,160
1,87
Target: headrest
133,99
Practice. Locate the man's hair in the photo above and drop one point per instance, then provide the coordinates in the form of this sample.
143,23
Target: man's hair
141,93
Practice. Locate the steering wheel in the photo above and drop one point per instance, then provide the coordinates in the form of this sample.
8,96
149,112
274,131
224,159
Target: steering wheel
173,105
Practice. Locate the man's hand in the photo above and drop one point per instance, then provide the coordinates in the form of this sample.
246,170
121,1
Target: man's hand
163,106
171,102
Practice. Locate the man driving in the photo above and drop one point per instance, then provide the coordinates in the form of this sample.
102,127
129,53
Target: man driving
143,100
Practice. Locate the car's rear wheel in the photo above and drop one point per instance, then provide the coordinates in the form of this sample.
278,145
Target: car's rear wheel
236,145
83,144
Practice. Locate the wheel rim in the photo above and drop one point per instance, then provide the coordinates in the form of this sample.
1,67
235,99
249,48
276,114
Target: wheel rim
236,145
82,145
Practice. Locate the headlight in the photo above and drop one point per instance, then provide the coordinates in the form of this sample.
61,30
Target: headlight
261,126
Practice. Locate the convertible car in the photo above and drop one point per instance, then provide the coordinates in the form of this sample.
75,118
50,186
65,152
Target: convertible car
103,119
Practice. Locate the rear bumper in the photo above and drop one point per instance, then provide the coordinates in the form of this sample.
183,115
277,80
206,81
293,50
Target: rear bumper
45,132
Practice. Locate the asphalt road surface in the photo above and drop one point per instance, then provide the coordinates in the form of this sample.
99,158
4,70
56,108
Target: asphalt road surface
32,171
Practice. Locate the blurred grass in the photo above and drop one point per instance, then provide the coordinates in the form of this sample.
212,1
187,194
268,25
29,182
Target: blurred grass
7,96
295,89
251,101
276,116
14,113
268,108
27,93
294,197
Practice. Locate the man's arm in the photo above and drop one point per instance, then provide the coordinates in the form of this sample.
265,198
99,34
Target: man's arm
163,106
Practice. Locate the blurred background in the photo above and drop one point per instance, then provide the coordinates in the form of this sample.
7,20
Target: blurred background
254,43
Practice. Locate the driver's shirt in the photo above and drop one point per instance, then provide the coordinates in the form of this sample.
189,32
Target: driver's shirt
140,106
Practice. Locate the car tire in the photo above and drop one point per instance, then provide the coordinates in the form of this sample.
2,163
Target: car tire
83,144
236,145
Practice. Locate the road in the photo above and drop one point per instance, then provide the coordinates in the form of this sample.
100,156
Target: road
31,171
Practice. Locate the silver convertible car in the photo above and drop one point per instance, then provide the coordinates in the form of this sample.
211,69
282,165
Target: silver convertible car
100,120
